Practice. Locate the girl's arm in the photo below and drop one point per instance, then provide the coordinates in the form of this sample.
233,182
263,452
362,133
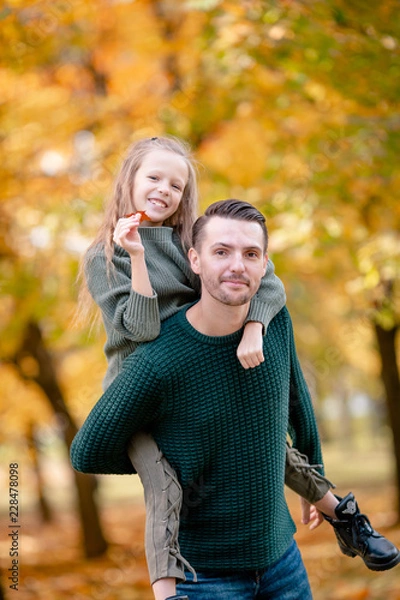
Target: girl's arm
268,301
133,315
127,236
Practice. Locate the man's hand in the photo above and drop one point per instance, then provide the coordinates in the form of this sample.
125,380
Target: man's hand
310,514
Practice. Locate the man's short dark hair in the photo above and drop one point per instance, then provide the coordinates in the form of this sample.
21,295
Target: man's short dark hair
228,209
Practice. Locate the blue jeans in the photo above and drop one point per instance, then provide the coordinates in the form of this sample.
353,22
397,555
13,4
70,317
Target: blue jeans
286,579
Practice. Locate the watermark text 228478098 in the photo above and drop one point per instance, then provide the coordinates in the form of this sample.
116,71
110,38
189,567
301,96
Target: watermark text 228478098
14,526
13,493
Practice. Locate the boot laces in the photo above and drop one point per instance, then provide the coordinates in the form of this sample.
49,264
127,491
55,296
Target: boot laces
361,528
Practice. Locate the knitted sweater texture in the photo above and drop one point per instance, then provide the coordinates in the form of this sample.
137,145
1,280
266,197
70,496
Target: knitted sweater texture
130,318
223,428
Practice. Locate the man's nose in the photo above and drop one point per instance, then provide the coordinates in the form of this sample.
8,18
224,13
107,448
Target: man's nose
237,263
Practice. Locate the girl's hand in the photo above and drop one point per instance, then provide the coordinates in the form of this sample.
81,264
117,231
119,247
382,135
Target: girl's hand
310,514
250,349
127,236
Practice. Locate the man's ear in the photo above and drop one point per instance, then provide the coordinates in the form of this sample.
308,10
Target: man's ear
265,262
194,260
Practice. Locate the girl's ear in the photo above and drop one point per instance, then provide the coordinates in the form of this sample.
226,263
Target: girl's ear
194,260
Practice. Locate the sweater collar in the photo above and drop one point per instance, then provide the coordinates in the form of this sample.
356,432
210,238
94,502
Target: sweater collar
159,234
218,340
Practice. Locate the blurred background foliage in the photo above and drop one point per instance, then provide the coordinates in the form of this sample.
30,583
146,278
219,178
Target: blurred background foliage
292,105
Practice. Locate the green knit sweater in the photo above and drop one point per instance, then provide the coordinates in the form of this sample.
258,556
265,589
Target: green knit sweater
130,318
222,427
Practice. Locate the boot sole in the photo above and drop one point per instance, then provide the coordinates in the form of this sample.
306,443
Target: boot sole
373,566
385,566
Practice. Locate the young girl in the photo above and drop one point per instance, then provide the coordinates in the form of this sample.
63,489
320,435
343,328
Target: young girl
137,272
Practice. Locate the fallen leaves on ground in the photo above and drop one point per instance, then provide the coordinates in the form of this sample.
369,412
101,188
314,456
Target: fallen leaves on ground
53,567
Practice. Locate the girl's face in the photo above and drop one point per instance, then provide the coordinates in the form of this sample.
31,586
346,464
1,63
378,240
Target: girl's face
159,184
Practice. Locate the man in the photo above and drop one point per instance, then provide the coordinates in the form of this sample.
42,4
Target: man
222,428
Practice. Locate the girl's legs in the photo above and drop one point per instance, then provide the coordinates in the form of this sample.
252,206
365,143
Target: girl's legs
303,478
164,588
327,504
163,499
353,530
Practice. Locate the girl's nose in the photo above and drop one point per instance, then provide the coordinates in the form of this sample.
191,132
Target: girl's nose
163,187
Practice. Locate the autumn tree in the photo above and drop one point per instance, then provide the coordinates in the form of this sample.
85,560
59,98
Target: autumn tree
290,105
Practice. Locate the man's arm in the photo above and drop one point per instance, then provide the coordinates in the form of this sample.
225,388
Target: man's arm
302,422
127,406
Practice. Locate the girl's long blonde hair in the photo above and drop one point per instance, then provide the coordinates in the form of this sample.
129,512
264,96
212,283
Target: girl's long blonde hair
122,202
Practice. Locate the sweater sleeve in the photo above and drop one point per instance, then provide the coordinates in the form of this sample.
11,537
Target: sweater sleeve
269,300
132,315
303,427
128,405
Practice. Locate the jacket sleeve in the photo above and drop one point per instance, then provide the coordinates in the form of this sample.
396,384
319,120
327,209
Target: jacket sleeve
132,315
303,427
128,405
269,300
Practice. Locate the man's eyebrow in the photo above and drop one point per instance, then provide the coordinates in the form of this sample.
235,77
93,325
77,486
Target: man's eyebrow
227,245
220,244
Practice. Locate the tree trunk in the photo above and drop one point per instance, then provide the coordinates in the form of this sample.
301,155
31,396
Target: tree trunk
42,371
170,18
2,595
44,506
386,339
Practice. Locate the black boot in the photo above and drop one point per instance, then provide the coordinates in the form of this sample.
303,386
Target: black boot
356,537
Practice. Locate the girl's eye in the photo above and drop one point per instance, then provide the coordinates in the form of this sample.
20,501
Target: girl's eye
153,177
177,187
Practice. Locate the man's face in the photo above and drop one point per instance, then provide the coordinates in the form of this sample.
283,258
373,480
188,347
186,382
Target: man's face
230,260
